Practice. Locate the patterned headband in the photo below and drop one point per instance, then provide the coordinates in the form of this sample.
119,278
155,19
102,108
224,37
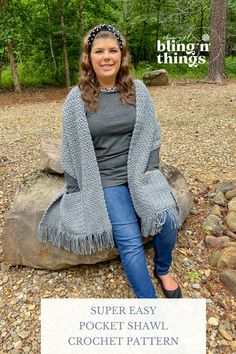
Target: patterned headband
107,28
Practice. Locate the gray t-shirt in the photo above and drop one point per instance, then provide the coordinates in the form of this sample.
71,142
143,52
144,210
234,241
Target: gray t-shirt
111,128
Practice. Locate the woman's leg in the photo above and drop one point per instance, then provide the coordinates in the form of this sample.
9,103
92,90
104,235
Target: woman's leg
128,240
163,244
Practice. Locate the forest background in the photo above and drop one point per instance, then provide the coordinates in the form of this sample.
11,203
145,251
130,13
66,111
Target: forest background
42,38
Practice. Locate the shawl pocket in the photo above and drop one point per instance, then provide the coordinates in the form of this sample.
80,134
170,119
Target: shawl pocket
154,177
154,181
155,189
71,211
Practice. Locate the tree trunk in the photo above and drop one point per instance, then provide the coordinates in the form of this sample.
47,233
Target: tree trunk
1,66
51,43
66,61
13,68
81,16
158,9
126,19
64,45
216,69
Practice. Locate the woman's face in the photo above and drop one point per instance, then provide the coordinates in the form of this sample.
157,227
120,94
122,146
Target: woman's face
106,60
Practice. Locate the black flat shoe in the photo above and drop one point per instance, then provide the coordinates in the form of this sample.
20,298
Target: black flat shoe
170,294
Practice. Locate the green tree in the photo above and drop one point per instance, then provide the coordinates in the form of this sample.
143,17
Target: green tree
9,24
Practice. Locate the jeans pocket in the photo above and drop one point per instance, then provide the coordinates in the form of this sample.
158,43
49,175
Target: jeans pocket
71,210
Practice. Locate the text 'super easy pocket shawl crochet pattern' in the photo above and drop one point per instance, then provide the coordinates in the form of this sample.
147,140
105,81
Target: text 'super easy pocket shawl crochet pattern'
79,221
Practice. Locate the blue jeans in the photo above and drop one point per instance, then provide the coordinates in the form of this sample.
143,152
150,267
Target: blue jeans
128,240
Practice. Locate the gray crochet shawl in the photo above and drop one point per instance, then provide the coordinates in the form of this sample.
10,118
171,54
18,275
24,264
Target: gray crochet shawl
79,221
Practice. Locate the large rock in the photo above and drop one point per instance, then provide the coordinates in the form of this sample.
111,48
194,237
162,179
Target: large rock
232,205
179,188
50,156
230,194
219,198
213,241
228,277
224,258
19,239
213,225
226,186
231,220
156,78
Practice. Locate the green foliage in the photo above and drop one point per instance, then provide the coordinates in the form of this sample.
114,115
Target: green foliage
193,275
182,71
230,64
32,25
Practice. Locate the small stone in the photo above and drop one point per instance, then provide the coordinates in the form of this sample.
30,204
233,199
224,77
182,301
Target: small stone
209,301
211,195
5,279
188,233
32,307
27,315
231,317
231,221
10,346
194,212
23,334
224,333
216,210
213,335
99,280
233,344
196,294
232,205
188,264
196,286
219,198
207,272
17,344
213,321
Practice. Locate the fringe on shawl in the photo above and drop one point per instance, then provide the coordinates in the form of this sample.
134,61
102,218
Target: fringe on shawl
78,244
153,224
90,244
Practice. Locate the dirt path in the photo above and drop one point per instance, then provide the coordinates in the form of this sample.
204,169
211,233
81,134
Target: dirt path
198,136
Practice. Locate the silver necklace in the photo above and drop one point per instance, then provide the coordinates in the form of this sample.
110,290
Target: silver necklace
107,89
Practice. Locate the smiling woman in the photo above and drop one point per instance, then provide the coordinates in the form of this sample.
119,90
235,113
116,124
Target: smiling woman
106,59
105,64
114,192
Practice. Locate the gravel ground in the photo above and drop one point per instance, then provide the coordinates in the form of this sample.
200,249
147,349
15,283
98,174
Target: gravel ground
198,129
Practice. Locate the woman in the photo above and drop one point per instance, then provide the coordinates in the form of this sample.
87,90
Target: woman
114,190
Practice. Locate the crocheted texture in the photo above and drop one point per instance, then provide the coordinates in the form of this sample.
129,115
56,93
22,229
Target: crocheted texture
79,222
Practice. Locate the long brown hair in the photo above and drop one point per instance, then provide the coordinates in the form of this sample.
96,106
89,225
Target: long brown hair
89,84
